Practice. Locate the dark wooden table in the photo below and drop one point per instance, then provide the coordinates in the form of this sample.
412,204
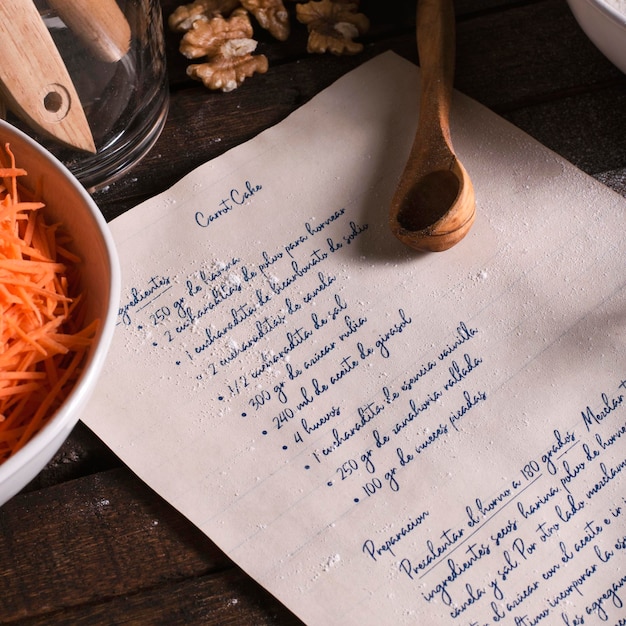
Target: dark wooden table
87,542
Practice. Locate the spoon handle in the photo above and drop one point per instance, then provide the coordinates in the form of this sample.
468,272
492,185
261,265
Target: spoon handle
436,50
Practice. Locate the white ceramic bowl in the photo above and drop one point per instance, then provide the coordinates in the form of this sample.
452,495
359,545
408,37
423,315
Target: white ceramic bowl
67,202
605,26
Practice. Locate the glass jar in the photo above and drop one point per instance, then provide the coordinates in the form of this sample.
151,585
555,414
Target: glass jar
114,53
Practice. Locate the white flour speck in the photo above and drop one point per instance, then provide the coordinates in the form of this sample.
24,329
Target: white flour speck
331,562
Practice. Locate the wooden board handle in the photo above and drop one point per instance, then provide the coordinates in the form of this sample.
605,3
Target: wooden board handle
100,24
34,82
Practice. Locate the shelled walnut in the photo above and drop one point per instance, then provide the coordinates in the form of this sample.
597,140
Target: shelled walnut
221,31
226,72
208,38
228,47
183,18
332,26
271,15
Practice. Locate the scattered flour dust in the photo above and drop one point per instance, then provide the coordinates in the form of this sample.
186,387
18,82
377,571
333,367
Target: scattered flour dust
326,565
331,562
479,276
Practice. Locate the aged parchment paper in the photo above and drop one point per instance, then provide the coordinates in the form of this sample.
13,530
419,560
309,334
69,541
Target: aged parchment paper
380,436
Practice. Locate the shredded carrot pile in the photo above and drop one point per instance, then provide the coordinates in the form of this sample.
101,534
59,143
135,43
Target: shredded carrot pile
43,343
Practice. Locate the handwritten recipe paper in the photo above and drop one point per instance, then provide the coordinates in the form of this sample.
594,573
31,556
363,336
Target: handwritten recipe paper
380,436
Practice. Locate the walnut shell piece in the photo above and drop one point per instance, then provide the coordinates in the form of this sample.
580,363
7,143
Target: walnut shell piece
332,26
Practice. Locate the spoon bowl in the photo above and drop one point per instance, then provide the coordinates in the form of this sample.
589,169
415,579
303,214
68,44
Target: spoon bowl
434,205
435,210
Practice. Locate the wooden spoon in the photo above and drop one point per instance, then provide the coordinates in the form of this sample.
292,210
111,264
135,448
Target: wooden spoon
433,207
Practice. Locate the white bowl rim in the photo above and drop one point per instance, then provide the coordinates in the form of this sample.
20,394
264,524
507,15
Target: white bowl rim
609,10
64,415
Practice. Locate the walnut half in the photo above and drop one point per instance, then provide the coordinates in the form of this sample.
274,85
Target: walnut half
271,15
206,37
226,72
332,26
184,16
221,31
228,45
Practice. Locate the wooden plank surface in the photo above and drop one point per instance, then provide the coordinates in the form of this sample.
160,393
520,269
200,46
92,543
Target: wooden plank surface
87,542
104,547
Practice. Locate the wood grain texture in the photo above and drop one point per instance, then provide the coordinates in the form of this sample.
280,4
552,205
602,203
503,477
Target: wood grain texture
100,24
34,82
87,542
103,547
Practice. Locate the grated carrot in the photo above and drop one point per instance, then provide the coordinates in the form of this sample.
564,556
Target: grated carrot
43,339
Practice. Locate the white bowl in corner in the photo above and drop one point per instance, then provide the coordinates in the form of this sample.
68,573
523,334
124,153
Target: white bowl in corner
68,202
605,25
